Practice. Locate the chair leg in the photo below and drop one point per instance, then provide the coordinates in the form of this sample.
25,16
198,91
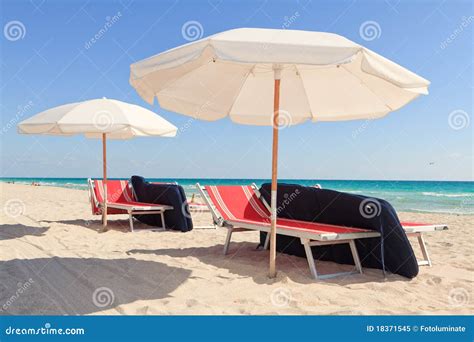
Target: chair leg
309,257
163,220
227,240
307,243
130,218
266,245
426,257
355,256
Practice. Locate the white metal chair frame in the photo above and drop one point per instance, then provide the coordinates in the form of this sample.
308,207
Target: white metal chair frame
308,239
131,209
418,232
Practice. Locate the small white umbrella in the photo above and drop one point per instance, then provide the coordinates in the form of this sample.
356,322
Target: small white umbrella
275,78
99,118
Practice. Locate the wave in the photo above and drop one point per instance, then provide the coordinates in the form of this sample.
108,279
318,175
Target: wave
56,184
437,194
440,211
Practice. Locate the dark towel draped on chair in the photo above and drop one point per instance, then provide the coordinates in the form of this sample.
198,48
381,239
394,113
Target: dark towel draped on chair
168,194
333,207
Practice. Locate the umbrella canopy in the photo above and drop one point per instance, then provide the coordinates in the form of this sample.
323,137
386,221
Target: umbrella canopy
276,78
99,118
93,118
324,77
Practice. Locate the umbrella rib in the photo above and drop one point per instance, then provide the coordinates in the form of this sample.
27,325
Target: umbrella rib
311,113
201,66
367,87
128,126
240,89
172,83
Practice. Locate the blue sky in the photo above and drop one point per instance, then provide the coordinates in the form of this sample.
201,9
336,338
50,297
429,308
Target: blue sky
48,64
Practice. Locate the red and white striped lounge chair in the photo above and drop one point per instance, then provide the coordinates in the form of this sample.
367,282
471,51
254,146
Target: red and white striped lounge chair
238,208
413,229
121,199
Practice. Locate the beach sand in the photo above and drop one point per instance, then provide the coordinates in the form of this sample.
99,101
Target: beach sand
55,260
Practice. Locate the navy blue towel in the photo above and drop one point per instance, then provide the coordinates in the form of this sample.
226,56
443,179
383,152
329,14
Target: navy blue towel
392,251
166,194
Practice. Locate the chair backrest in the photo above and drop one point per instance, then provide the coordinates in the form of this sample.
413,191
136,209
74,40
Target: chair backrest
117,191
235,202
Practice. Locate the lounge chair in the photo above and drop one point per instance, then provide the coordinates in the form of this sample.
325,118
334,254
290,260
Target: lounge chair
411,229
122,200
238,208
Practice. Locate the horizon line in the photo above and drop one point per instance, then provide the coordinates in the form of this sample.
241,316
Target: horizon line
264,179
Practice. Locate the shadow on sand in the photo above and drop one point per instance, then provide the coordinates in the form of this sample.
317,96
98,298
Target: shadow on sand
120,224
255,265
76,286
14,231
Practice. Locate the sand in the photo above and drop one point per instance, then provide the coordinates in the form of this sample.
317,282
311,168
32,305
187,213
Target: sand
54,259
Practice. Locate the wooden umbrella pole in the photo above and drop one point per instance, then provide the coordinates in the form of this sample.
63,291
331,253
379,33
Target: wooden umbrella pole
276,109
104,161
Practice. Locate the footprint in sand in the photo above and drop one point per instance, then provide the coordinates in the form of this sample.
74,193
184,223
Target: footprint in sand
244,312
434,281
191,302
241,301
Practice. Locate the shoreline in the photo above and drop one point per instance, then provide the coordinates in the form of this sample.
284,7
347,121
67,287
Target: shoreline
266,179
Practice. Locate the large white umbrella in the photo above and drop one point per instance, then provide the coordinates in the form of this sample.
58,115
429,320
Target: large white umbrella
275,77
99,118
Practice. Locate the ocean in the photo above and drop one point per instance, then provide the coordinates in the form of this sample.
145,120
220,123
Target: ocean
411,196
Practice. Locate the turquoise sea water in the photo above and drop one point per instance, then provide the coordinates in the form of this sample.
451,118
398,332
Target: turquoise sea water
413,196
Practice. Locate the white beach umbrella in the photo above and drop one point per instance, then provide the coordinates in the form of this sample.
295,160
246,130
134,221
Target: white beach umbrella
99,118
276,78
